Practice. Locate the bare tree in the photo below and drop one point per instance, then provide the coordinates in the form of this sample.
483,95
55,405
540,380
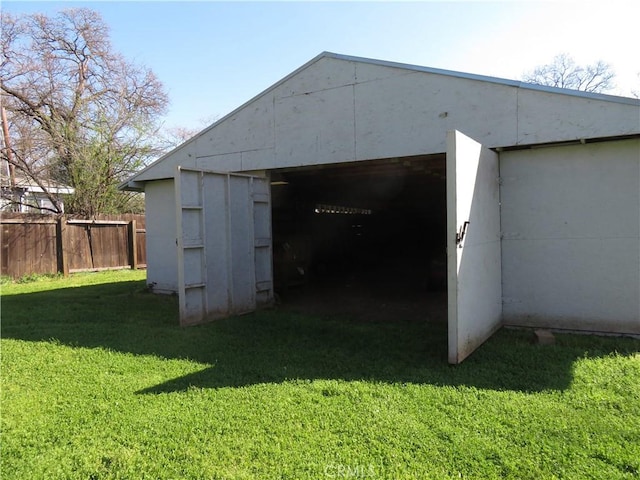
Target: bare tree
79,113
172,137
563,72
636,91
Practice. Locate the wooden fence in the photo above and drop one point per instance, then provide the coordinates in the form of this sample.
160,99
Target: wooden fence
40,244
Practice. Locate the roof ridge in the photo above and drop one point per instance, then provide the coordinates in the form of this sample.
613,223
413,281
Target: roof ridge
385,63
483,78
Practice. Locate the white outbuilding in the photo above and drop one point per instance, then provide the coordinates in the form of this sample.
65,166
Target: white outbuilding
528,196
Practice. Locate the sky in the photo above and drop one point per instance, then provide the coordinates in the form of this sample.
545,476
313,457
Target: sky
213,56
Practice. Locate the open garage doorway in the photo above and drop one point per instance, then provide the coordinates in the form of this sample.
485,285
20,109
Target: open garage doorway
369,233
365,239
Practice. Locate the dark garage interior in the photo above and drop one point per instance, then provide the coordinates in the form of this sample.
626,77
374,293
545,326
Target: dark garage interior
364,239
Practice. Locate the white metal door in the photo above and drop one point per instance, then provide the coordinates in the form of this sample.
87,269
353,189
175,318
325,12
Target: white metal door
473,245
224,244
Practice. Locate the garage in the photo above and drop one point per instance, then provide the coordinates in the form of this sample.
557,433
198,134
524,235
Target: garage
355,181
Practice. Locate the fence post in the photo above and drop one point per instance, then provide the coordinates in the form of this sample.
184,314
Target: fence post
61,227
133,250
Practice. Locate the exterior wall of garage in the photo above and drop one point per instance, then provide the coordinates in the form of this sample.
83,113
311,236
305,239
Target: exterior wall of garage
570,219
337,110
571,237
162,266
570,215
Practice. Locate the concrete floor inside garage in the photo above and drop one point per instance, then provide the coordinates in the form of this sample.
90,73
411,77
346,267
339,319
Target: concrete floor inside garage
364,239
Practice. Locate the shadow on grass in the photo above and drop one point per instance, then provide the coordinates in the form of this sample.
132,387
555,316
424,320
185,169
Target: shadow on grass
275,346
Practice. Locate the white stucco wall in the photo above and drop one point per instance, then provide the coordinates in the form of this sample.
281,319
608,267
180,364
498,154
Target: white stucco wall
162,260
571,236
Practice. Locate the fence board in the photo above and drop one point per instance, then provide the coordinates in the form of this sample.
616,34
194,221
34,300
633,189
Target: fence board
109,245
39,244
77,249
28,248
141,246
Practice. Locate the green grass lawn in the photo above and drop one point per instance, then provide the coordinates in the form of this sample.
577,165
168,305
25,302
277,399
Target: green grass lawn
98,381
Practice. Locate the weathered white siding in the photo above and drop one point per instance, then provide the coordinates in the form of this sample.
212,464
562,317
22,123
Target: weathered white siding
315,128
571,236
340,110
410,114
570,215
162,263
549,117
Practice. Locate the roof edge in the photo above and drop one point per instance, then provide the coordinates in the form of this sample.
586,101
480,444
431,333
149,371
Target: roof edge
485,78
132,179
132,184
